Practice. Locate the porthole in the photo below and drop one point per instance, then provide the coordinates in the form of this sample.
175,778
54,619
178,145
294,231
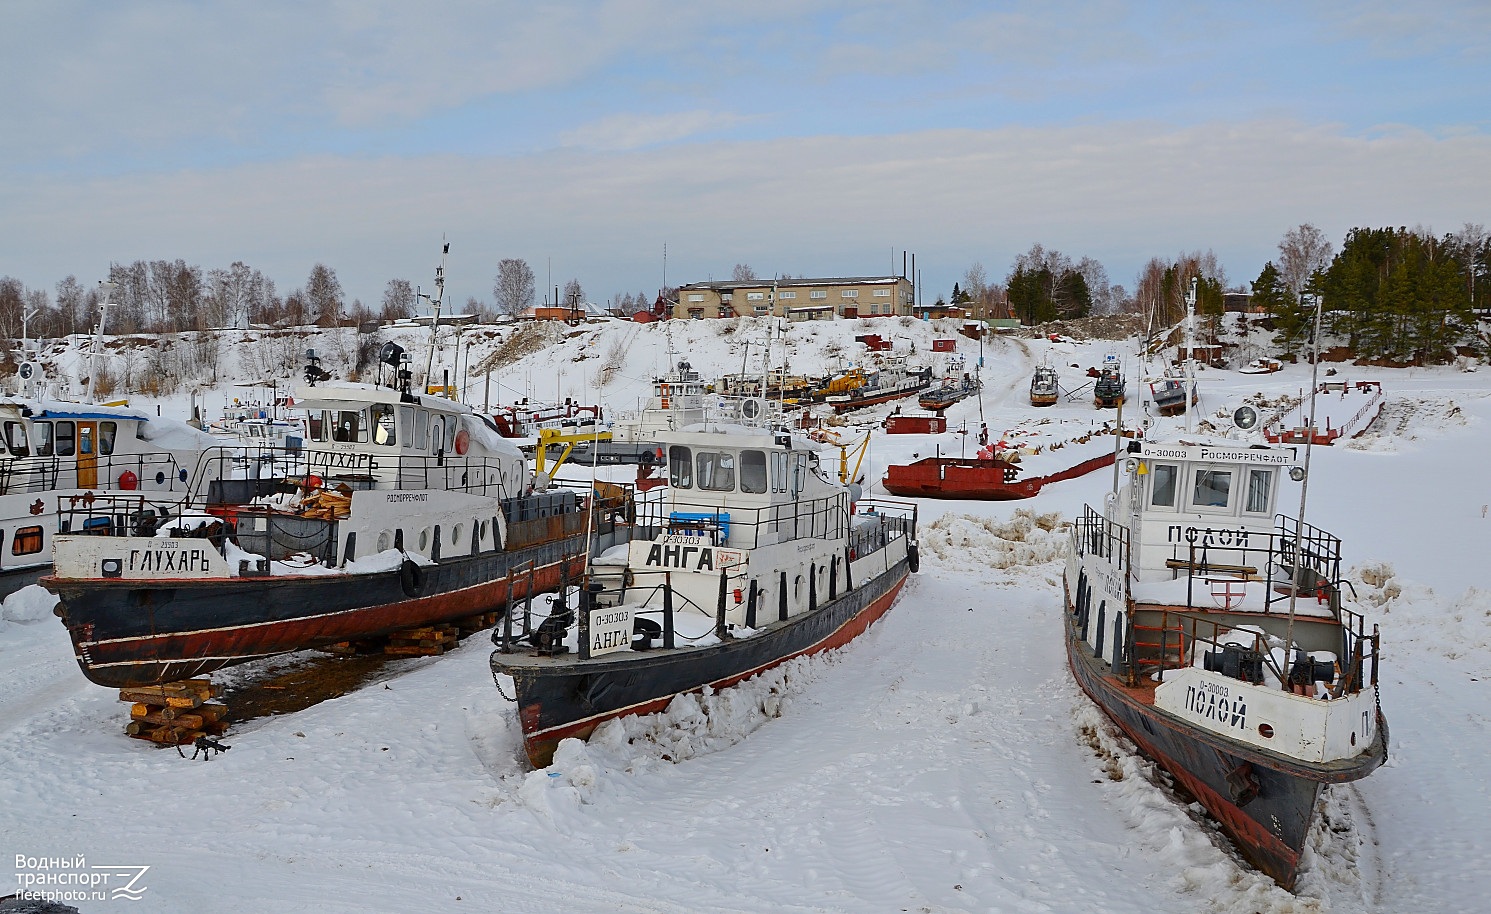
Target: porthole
1267,731
385,540
1353,739
424,539
455,533
481,530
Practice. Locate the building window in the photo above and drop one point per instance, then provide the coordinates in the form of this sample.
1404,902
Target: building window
818,293
786,295
696,296
849,293
696,314
763,309
882,293
755,296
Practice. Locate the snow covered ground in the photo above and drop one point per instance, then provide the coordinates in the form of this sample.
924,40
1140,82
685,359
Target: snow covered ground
945,762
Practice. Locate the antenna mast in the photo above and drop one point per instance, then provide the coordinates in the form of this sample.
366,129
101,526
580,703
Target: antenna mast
108,288
1190,354
435,322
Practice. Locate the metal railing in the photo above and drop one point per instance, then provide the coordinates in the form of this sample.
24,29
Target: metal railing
19,475
1242,652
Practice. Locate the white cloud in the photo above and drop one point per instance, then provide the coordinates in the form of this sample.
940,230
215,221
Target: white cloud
635,131
1120,193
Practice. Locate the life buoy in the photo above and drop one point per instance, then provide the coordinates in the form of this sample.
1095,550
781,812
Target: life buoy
411,578
913,561
128,481
463,441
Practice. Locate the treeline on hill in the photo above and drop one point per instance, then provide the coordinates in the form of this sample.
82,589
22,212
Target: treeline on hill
1393,296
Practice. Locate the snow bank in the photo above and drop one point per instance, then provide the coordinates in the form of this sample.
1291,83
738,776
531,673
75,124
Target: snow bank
1026,539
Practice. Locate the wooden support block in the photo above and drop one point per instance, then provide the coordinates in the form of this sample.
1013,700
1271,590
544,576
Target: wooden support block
211,713
398,651
192,721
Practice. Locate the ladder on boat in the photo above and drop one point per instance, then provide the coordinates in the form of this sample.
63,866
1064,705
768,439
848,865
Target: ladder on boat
1161,646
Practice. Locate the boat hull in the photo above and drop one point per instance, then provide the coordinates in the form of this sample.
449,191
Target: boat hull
1268,829
989,480
561,698
131,633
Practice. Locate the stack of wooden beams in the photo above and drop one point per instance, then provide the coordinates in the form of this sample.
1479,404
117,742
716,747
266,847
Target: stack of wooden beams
175,713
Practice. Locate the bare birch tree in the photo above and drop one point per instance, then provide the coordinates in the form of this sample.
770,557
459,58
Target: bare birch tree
1302,252
398,300
514,289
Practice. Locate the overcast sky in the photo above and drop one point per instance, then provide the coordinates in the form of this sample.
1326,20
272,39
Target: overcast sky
802,137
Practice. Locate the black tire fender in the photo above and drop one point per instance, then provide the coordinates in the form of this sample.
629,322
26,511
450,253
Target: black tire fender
913,560
411,578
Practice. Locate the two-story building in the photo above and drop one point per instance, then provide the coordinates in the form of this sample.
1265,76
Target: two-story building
798,299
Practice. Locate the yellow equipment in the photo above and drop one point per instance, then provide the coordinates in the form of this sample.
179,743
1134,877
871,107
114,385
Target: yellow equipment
549,436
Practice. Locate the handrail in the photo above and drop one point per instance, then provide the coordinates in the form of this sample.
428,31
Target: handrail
1356,649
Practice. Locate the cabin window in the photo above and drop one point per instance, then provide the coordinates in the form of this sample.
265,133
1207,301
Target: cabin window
779,471
717,471
318,422
27,541
437,434
1162,478
41,433
406,424
349,426
1260,487
421,428
799,473
108,432
384,432
85,440
680,467
1213,489
67,439
753,472
15,439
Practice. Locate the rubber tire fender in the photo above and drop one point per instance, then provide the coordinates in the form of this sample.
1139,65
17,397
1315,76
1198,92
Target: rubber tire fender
411,578
913,560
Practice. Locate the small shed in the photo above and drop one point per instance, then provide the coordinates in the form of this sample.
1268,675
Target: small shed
945,345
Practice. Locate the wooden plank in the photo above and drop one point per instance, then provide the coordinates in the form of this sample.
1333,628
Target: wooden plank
1203,567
